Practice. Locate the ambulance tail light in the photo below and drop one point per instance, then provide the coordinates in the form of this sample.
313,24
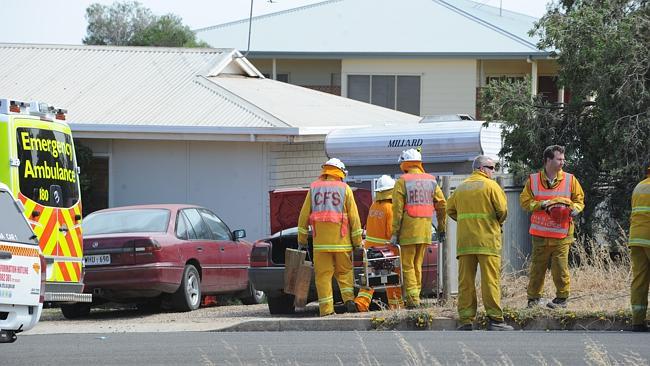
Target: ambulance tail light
41,298
260,255
60,114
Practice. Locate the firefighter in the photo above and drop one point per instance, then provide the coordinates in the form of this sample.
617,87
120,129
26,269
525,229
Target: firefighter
415,197
479,206
379,228
553,197
639,244
331,212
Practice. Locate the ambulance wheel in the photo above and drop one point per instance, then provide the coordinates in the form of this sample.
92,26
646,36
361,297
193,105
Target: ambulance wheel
76,310
253,296
281,304
188,295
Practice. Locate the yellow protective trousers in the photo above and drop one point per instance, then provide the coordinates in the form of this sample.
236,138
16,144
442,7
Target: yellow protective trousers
559,258
490,287
412,258
326,266
640,257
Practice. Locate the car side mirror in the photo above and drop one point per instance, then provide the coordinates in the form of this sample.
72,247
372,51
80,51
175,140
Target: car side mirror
239,234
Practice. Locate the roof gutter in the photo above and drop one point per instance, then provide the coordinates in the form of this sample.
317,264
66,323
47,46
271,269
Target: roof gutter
186,133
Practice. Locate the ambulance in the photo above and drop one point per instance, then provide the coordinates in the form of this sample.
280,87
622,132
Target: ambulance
38,164
22,270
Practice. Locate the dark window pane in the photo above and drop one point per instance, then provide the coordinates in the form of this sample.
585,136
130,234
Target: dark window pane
408,94
383,91
282,77
200,228
181,226
359,87
219,230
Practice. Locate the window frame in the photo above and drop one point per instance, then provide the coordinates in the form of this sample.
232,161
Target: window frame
396,89
228,231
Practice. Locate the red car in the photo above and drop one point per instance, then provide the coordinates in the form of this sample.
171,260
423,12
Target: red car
163,253
267,258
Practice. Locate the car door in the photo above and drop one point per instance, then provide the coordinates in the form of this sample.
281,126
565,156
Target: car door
233,256
202,247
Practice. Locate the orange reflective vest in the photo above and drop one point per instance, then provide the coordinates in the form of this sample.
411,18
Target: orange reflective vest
541,223
327,204
420,189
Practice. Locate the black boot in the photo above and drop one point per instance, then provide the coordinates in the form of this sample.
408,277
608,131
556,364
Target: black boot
558,302
350,307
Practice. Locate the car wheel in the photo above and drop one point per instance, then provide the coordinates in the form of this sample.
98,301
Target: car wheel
76,310
188,295
253,296
281,304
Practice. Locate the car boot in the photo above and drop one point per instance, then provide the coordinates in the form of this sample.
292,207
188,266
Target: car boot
535,302
557,303
498,326
350,307
640,327
466,327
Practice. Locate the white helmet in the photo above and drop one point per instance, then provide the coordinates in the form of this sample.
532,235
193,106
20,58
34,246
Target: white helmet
410,155
336,163
384,183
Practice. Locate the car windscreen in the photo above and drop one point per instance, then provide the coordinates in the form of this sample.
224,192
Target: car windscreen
126,221
13,226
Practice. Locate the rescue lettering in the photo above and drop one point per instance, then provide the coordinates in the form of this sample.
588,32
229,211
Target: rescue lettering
405,142
321,198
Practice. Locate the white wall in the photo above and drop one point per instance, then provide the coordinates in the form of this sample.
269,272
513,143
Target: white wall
447,86
229,178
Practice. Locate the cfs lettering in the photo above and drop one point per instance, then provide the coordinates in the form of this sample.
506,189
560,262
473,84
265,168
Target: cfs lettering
322,198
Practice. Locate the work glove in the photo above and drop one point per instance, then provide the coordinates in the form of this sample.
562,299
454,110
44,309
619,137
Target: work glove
393,240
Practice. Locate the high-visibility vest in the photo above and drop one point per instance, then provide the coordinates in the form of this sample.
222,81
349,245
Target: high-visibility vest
640,217
328,204
541,223
420,189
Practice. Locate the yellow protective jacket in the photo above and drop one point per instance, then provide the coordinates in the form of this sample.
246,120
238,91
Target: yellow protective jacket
479,206
327,236
380,220
528,203
415,230
640,217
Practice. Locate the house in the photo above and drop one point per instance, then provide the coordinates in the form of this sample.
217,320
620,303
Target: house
424,57
176,125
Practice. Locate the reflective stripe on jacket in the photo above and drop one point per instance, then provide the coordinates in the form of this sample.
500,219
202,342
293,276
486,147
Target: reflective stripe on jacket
378,225
419,194
541,223
640,217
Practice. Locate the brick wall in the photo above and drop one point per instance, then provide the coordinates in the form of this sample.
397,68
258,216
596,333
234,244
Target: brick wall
295,165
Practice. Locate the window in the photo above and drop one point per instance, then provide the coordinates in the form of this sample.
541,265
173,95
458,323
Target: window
13,226
183,230
196,222
508,78
399,92
219,230
127,221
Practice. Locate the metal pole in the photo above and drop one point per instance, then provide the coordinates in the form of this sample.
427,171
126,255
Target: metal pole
444,250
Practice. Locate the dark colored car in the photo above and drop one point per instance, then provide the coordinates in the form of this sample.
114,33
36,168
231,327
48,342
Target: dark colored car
163,253
267,258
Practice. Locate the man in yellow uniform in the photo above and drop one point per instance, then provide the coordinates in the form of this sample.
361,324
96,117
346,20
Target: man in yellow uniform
479,206
415,197
379,228
553,197
639,244
331,212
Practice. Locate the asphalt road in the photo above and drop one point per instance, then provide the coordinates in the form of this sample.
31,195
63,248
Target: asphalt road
318,348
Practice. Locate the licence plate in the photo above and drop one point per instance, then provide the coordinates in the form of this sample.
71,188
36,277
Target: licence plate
96,260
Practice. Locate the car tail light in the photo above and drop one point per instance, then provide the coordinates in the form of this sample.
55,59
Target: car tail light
145,250
260,256
41,298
